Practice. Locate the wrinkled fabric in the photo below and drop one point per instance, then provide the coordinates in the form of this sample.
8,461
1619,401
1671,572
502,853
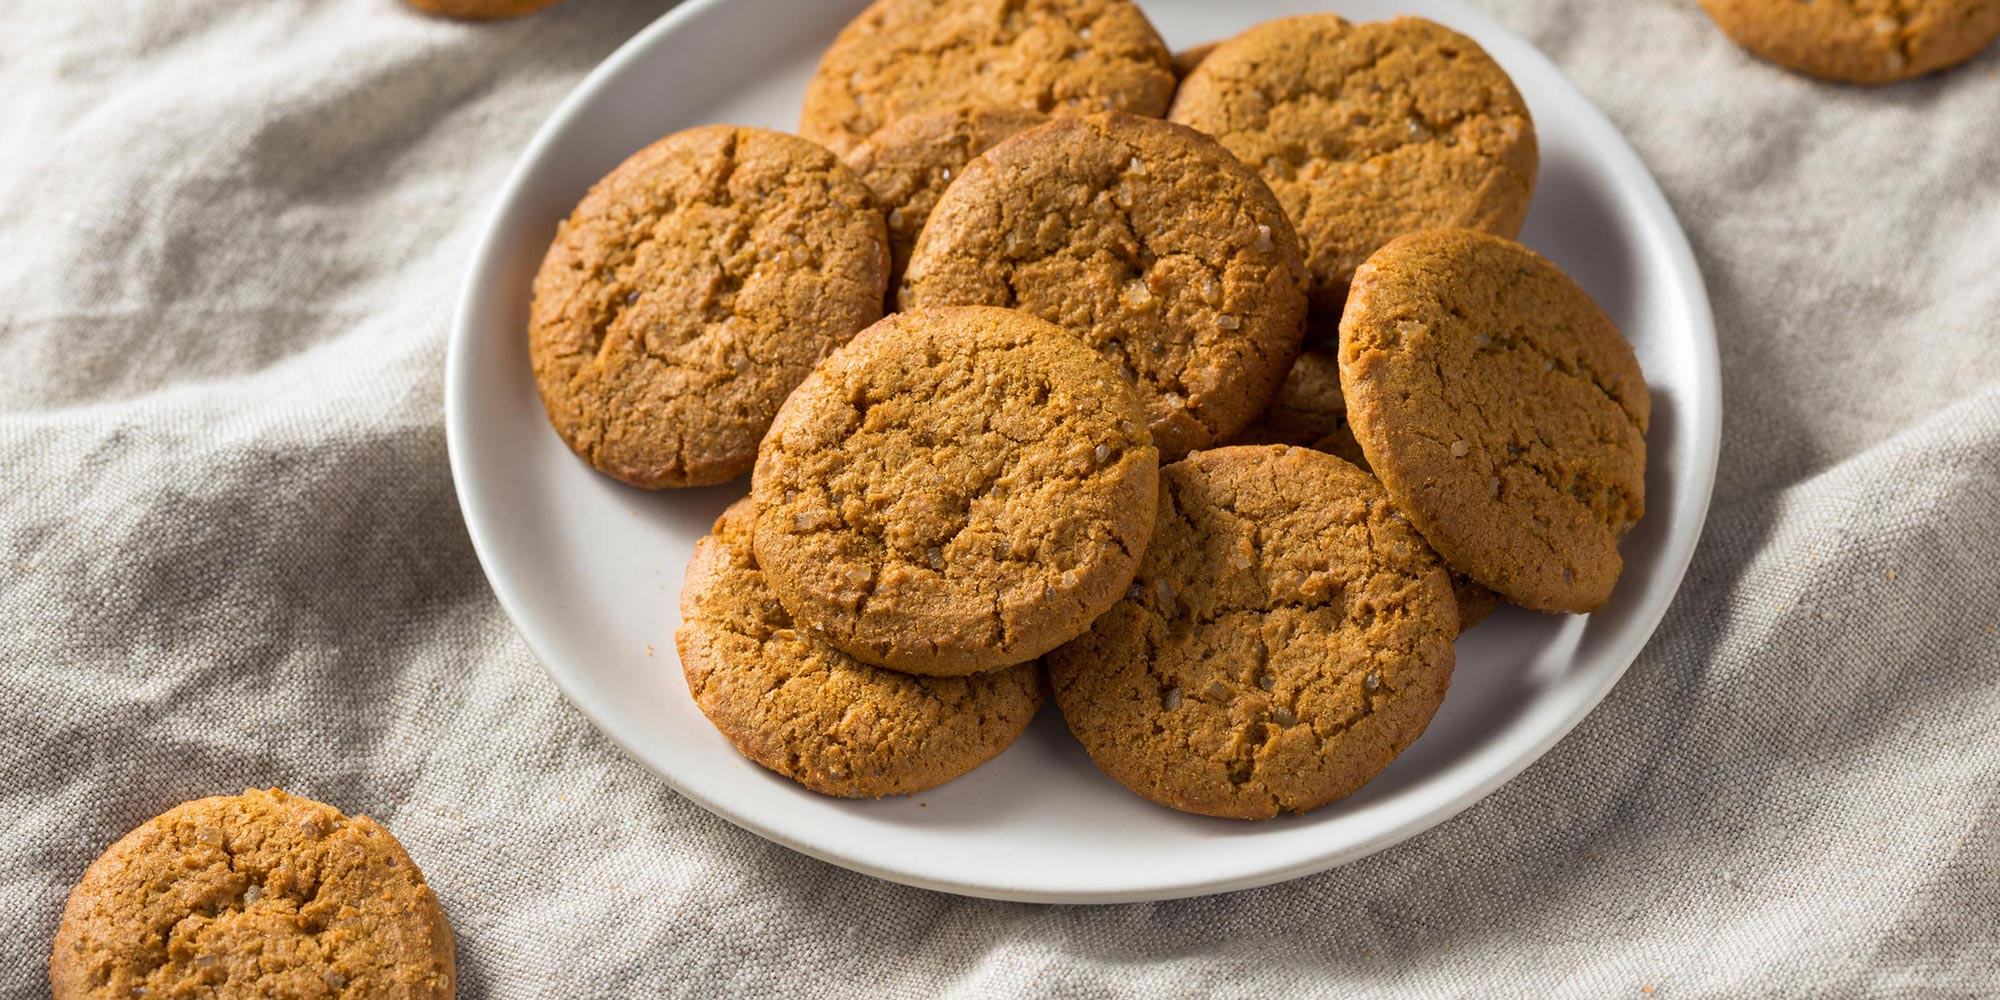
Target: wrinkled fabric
230,553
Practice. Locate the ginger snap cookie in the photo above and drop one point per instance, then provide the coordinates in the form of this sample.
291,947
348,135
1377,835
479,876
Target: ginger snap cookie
1056,57
1860,41
255,895
955,490
1287,636
910,162
691,289
1146,239
480,10
817,715
1366,132
1501,409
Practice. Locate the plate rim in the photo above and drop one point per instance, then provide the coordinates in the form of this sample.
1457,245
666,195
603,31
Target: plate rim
1651,202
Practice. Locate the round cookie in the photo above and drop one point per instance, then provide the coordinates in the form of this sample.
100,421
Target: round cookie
260,894
953,491
481,10
1366,132
1501,409
1146,239
1860,41
910,162
691,289
1056,57
1287,636
817,715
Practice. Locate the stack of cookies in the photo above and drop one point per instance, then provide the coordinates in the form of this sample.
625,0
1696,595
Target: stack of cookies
1208,392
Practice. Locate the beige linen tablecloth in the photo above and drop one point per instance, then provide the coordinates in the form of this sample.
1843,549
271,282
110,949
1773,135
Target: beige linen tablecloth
231,232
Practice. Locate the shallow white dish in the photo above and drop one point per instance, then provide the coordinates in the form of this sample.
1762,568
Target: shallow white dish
590,570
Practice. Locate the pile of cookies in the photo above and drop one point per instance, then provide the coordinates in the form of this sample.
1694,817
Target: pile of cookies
1209,393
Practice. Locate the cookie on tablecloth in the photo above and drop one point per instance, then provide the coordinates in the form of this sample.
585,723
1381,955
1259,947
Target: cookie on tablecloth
259,894
1860,41
1287,636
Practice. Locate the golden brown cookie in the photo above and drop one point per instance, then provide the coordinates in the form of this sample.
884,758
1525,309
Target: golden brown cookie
1056,57
1368,131
1501,409
1287,636
691,289
481,10
1146,239
1860,41
253,895
910,162
955,490
817,715
1187,59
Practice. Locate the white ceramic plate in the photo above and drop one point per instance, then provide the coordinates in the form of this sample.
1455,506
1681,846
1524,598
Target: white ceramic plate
590,570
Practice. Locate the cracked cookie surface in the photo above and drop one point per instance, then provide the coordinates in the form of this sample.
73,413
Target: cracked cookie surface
691,289
1146,239
1366,132
255,895
955,490
910,162
1287,636
1860,41
1502,410
816,715
1056,57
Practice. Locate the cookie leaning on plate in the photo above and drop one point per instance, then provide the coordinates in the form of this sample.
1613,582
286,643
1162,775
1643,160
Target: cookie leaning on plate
1146,239
1056,57
1870,41
1366,132
260,894
955,490
816,715
1502,410
1287,636
910,162
691,290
